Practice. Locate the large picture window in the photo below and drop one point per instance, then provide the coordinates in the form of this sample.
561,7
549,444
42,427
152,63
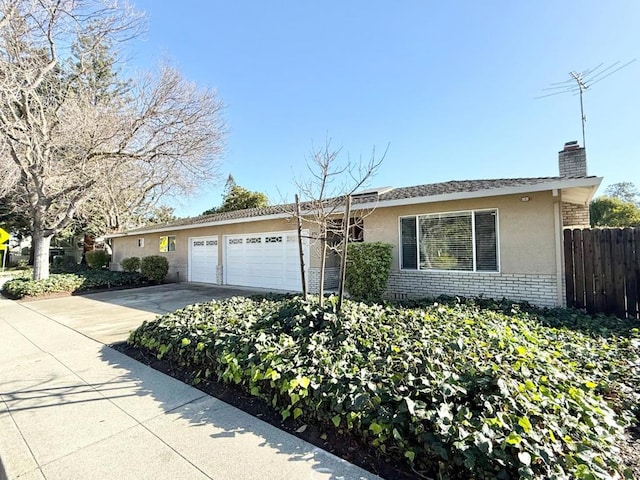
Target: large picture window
460,241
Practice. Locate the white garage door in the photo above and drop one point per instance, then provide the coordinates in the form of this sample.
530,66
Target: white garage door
203,259
264,260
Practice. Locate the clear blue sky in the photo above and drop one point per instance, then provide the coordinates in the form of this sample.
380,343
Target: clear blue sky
450,86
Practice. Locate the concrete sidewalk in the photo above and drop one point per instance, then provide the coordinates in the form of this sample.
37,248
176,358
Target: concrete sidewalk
73,408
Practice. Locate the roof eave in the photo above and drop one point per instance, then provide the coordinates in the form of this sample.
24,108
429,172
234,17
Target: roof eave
588,184
562,184
190,226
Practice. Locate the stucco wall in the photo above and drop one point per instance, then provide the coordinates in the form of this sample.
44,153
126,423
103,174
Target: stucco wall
526,239
127,246
527,251
525,229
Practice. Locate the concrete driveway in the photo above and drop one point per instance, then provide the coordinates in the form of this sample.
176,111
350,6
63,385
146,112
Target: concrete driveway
108,317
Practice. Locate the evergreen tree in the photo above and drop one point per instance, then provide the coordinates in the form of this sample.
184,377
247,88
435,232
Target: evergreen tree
238,198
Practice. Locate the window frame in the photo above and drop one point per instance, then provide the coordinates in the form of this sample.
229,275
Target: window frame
336,227
141,242
472,213
168,244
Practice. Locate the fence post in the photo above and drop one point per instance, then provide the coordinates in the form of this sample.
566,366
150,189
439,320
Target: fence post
569,268
589,270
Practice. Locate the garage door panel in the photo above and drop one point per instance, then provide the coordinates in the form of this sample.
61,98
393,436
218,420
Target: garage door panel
266,260
203,259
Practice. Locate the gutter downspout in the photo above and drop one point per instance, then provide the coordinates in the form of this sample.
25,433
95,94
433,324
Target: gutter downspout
557,221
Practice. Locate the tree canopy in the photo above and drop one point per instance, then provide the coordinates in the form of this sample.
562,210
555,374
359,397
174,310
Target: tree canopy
238,198
613,212
618,207
625,191
79,142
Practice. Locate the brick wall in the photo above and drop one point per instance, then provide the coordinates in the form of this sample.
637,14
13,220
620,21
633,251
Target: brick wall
572,162
331,280
541,290
575,215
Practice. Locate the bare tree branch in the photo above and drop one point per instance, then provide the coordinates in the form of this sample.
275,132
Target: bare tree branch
79,144
326,194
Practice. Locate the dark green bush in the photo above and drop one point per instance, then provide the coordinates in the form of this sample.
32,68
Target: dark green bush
368,268
65,264
455,389
70,282
154,268
97,259
131,264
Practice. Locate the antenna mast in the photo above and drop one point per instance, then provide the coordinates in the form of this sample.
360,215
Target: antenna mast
579,83
578,77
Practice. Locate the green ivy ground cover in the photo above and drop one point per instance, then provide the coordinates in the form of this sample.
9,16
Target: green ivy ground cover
70,282
457,388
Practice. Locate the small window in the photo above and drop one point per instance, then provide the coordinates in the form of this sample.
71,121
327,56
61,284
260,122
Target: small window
336,229
168,243
141,243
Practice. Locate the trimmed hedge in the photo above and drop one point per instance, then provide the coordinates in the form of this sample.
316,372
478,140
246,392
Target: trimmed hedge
97,259
368,268
130,264
462,390
154,268
70,282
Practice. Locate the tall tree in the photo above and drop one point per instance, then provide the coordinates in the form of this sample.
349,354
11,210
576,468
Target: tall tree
77,141
238,198
625,191
613,212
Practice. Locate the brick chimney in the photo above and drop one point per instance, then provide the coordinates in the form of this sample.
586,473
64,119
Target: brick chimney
572,160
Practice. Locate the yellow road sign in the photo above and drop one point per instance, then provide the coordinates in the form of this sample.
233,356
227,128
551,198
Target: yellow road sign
4,236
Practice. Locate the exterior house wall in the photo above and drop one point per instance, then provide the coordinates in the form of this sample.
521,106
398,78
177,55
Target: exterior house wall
575,216
526,243
127,246
527,249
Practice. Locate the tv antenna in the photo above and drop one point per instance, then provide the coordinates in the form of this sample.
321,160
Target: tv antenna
580,82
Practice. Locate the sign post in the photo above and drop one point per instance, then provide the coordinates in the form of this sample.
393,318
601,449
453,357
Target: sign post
4,236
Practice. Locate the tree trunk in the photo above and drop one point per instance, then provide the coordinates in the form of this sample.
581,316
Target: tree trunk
40,246
300,249
345,246
323,262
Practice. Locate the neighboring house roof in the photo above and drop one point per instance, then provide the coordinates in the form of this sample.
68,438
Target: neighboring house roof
574,189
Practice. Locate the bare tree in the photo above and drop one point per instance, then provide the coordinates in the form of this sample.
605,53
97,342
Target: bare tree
76,141
326,195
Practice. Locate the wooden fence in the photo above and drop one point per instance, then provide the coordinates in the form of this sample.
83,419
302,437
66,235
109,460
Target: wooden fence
602,270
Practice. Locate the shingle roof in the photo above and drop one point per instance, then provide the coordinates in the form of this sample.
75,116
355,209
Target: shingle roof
457,186
417,191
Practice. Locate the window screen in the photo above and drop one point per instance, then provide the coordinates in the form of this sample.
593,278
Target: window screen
486,242
409,243
445,242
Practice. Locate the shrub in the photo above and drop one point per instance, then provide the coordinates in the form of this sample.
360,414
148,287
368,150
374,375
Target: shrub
131,264
70,282
97,259
65,264
455,389
154,268
368,268
22,265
